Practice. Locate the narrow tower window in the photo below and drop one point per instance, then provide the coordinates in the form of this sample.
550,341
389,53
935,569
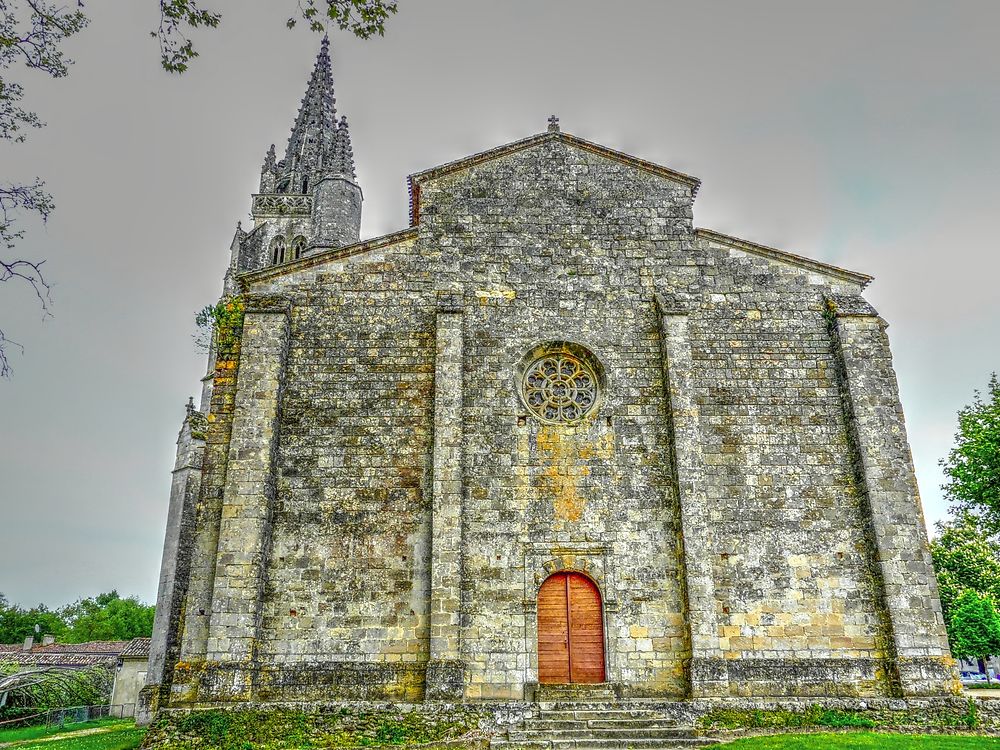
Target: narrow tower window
298,247
278,250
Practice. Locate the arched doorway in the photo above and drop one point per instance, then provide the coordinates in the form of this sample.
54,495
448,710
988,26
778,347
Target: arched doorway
570,630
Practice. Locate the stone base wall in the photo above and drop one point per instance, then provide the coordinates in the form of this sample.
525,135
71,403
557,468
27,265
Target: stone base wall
447,681
236,682
478,721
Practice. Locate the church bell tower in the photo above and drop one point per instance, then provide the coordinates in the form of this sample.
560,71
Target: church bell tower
310,199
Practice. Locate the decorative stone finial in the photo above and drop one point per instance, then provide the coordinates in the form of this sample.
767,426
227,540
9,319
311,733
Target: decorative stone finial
553,124
190,405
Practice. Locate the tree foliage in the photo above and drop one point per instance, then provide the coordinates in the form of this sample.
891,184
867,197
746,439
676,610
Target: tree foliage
107,617
973,465
965,550
965,559
17,623
363,18
974,631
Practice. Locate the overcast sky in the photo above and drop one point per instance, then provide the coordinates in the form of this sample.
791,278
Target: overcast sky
857,133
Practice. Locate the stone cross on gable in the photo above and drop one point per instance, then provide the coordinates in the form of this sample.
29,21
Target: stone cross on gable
554,124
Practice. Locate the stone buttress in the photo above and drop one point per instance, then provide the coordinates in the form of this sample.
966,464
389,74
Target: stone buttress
550,376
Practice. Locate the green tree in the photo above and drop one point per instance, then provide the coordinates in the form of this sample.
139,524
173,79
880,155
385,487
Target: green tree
975,627
973,465
107,617
965,559
17,623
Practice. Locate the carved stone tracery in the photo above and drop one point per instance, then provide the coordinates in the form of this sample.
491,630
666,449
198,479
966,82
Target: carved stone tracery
275,204
560,387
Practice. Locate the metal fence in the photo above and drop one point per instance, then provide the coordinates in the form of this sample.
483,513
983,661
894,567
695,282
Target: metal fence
60,717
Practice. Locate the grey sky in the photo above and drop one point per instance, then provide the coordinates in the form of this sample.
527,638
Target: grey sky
857,133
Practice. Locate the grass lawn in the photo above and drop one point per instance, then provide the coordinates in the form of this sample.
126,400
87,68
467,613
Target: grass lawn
122,737
30,733
863,741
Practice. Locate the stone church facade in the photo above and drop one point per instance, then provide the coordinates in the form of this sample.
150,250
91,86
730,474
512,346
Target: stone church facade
550,433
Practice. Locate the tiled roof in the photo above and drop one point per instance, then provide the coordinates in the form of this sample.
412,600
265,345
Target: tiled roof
137,648
65,654
91,647
57,659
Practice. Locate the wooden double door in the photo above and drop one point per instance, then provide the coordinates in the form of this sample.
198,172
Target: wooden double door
570,630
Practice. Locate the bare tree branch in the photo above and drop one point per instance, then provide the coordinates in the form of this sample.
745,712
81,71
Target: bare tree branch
31,34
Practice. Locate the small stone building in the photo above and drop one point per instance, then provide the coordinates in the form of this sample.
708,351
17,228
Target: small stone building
549,433
130,675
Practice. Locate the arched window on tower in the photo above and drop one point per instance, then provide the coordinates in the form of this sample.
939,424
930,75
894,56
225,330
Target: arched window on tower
298,247
278,250
305,184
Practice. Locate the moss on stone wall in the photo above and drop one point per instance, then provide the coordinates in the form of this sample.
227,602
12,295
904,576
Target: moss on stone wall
953,715
217,729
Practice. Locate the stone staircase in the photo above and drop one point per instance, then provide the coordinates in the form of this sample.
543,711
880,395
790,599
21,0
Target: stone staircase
601,723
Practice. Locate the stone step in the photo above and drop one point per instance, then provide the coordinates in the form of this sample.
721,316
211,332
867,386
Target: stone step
575,692
605,722
589,714
584,732
606,744
613,722
612,705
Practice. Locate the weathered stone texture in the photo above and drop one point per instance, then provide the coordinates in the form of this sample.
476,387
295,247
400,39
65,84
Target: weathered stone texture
380,507
888,483
791,564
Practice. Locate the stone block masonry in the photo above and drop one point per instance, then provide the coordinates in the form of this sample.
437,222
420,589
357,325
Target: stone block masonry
552,372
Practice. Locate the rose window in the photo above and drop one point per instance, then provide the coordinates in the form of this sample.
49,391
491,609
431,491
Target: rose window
560,388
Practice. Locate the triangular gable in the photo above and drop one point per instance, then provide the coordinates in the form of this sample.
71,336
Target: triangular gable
415,180
781,256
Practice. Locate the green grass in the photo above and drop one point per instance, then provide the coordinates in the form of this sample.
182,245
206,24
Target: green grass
863,741
31,733
126,738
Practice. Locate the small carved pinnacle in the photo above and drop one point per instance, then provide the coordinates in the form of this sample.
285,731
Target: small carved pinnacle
190,405
553,124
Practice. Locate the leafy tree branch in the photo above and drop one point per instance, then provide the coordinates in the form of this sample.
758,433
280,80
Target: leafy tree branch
973,465
363,18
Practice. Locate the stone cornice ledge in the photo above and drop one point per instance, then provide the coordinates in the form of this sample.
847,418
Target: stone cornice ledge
783,256
327,254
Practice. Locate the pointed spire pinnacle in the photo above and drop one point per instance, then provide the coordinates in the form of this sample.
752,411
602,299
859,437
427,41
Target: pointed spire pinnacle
346,152
315,126
270,159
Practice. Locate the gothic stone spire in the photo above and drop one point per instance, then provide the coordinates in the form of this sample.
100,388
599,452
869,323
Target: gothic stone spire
313,138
